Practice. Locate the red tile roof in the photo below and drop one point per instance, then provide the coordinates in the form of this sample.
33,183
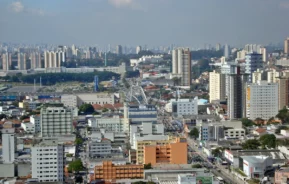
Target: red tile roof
260,130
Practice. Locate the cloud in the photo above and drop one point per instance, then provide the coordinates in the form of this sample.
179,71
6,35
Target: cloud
284,5
18,7
133,4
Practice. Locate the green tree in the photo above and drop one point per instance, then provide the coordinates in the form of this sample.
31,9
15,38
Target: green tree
148,166
283,115
217,152
251,144
86,108
78,141
247,122
104,109
197,166
75,165
194,133
268,140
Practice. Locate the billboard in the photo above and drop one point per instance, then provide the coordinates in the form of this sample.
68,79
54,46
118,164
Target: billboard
204,180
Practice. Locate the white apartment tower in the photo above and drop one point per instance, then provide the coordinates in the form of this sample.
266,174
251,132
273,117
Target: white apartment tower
217,85
48,161
6,61
22,61
253,61
138,49
56,119
181,60
262,100
8,145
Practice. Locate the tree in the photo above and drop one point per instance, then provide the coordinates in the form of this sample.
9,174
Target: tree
268,140
75,165
69,155
104,109
86,108
251,144
247,122
148,166
2,116
78,141
197,166
283,115
217,152
194,133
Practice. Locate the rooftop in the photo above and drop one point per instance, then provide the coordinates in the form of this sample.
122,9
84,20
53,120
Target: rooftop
255,159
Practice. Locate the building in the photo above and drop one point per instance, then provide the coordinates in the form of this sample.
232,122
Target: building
253,61
95,98
109,171
197,178
286,46
237,94
35,59
113,124
281,176
8,145
138,49
181,64
56,119
272,76
35,119
283,92
48,161
6,61
256,166
259,75
227,51
69,100
262,100
183,107
99,147
118,50
21,61
28,127
217,86
218,46
137,114
174,152
263,51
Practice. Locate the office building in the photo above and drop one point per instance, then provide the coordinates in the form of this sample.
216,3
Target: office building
6,61
35,119
138,114
112,124
217,86
118,50
286,46
182,107
237,94
56,120
283,92
109,171
99,147
253,61
181,64
262,100
138,49
227,51
48,161
174,152
21,61
8,145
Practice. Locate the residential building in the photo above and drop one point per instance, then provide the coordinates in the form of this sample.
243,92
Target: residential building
263,51
35,119
109,171
217,86
227,51
118,50
237,94
286,46
218,46
196,178
183,107
56,119
137,114
259,75
256,166
48,161
69,100
8,145
272,76
262,100
6,61
21,61
99,147
113,124
253,61
54,59
181,61
95,98
35,59
138,49
283,92
174,152
281,176
241,54
28,127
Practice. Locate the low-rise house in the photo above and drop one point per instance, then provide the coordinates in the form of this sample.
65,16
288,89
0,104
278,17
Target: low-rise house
260,131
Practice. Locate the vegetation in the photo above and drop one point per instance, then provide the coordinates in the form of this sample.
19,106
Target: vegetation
75,166
247,122
278,130
148,166
237,170
251,144
104,109
86,108
282,142
69,155
283,115
268,140
194,133
78,141
217,152
197,166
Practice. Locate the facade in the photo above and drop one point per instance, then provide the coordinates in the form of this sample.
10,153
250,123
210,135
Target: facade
97,148
138,49
281,176
35,59
237,94
21,63
118,50
253,61
113,124
6,61
8,145
95,98
256,166
69,100
283,92
48,161
286,46
34,119
56,120
262,100
259,75
174,152
137,114
109,171
182,107
28,127
263,51
181,64
217,86
54,59
272,76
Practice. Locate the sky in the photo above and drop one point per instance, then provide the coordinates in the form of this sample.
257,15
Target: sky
140,22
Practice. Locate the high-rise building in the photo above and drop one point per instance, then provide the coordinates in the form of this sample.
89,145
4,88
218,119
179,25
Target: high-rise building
48,161
8,145
217,86
35,58
253,61
283,92
138,49
218,47
272,76
262,100
237,94
95,83
6,61
54,59
263,51
118,50
181,64
259,75
22,61
286,46
56,120
241,54
227,51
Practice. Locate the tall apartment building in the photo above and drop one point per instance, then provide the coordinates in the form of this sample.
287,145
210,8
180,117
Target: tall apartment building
8,145
35,59
174,152
286,46
56,119
259,75
54,59
262,100
272,76
218,46
263,51
217,86
181,61
227,51
237,94
6,61
283,92
138,49
253,61
109,171
48,161
118,50
21,61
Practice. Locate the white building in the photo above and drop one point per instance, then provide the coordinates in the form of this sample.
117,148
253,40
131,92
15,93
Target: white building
97,148
34,119
272,76
69,100
28,127
262,100
138,114
181,61
8,145
48,161
217,86
114,124
181,107
146,128
56,120
95,98
256,166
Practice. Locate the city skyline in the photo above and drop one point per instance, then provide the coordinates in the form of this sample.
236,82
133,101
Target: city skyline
139,22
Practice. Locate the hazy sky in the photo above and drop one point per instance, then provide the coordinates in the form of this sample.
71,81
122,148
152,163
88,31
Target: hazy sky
139,22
